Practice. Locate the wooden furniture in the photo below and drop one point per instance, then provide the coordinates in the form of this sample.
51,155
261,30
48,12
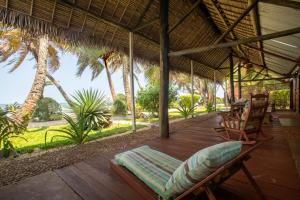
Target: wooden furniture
207,185
249,122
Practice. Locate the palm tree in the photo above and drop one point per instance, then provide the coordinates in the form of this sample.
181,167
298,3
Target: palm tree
17,45
88,57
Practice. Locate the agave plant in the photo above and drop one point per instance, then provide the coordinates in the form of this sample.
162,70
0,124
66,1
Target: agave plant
93,104
77,131
8,129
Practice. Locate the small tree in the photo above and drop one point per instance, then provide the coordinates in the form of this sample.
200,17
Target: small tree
119,107
47,110
148,98
185,106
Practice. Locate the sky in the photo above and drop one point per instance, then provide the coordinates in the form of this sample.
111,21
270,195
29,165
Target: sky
15,86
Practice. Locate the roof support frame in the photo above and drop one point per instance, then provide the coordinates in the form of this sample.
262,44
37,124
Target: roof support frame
226,22
271,53
264,79
195,5
143,13
237,42
285,3
112,23
257,29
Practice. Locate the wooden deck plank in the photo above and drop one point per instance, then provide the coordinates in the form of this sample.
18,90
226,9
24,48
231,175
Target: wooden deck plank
272,164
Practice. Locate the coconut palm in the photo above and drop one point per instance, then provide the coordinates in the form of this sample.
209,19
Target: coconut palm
88,57
15,46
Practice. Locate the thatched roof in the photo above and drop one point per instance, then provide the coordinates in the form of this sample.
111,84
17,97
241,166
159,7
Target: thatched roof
108,22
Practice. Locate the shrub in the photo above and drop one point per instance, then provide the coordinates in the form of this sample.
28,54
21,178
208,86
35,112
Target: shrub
185,106
119,107
77,131
148,98
47,110
8,129
210,107
93,104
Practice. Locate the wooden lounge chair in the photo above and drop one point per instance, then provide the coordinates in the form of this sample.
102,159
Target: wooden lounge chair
207,185
249,122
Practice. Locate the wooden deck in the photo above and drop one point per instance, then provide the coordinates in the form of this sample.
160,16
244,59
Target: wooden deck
273,165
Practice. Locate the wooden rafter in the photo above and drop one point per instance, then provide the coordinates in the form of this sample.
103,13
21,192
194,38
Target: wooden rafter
237,21
264,79
284,3
53,11
258,73
225,21
271,53
237,42
143,13
31,8
119,25
70,18
150,22
257,29
195,5
265,67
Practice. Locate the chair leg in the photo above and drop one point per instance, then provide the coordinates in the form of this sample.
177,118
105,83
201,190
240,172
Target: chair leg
209,193
243,134
253,182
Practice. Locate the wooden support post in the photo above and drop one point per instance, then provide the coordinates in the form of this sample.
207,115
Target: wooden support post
215,90
239,80
132,81
292,95
164,70
192,86
231,78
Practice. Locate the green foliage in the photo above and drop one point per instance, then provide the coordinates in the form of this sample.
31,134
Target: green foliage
77,131
8,129
148,98
12,107
185,106
281,98
210,107
119,107
93,104
220,100
47,110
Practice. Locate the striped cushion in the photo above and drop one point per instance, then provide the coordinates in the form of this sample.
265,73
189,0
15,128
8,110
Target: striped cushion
200,165
152,167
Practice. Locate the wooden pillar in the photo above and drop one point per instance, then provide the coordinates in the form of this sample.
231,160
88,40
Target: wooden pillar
292,95
132,81
192,86
239,80
231,77
215,90
164,70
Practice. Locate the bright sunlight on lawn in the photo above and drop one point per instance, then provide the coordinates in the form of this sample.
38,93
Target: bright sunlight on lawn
36,137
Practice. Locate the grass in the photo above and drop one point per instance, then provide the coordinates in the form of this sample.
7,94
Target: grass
172,115
36,137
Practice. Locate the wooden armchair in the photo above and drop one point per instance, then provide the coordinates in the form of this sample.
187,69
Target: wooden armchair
249,122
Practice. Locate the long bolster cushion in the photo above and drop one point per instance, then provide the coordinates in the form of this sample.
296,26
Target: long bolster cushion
152,167
200,165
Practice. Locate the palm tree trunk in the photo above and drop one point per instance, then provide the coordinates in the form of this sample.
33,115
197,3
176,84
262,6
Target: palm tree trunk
110,83
126,83
24,113
60,89
138,81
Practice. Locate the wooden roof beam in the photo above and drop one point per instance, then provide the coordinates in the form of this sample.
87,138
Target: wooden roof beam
196,4
156,19
116,24
226,22
143,13
237,21
265,67
257,29
237,42
284,3
267,79
272,54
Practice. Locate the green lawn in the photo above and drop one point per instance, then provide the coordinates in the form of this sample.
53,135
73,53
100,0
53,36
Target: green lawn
172,115
36,137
